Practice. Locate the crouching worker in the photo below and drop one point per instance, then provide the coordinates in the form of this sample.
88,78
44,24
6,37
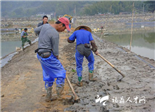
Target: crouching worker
47,54
24,38
84,38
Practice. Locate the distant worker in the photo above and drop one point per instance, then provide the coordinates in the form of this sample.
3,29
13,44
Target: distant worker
45,21
102,29
57,18
48,55
69,27
70,20
83,38
24,38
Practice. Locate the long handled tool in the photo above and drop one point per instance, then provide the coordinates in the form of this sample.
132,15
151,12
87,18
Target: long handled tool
113,67
70,85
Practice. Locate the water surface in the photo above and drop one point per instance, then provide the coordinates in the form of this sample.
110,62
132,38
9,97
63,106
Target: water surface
142,44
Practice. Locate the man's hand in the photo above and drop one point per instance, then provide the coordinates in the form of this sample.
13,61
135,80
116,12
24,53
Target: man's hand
57,57
70,41
96,53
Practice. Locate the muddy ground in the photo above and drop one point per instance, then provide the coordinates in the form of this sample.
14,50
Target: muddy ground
22,87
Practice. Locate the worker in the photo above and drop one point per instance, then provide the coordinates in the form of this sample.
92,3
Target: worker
84,38
44,21
102,29
48,55
24,38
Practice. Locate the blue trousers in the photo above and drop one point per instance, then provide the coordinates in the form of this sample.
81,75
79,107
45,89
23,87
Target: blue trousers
79,61
52,68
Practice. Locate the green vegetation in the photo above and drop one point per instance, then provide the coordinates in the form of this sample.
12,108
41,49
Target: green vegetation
16,9
73,70
114,7
150,5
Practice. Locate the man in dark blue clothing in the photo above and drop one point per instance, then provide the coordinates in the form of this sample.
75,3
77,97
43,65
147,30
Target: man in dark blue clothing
45,21
84,38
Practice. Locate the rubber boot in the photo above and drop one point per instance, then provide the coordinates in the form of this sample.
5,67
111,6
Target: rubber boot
79,82
30,42
59,90
22,48
49,94
91,76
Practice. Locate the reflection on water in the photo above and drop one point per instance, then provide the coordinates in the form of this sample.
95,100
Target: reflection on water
140,24
9,46
142,44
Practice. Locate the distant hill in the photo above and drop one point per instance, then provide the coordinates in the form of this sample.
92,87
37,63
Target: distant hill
17,9
29,8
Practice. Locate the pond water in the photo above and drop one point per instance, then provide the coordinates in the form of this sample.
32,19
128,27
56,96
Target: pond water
142,44
9,46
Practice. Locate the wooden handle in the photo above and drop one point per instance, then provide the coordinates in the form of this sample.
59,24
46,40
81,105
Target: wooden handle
70,85
111,65
119,72
106,60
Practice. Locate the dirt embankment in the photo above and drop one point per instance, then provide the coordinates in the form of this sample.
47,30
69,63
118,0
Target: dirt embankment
22,84
23,87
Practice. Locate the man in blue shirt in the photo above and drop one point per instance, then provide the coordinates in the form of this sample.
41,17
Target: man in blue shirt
84,38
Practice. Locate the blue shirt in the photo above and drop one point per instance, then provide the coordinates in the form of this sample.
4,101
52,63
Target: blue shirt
82,37
24,34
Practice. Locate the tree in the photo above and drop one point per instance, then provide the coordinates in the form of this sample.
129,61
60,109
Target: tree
111,6
151,5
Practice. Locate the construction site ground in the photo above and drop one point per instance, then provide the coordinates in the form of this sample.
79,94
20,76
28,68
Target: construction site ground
22,85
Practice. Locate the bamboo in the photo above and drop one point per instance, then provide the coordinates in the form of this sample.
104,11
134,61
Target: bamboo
131,27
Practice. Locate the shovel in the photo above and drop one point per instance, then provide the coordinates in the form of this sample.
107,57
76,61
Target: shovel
70,85
113,67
